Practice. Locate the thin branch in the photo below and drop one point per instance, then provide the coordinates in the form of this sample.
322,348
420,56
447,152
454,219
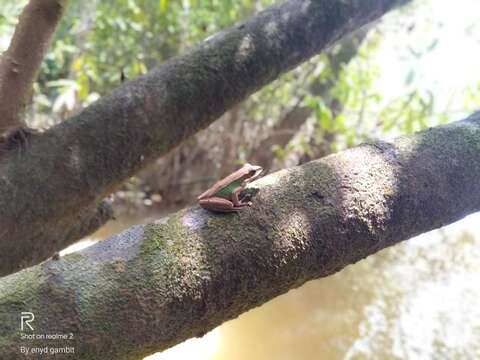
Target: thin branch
20,63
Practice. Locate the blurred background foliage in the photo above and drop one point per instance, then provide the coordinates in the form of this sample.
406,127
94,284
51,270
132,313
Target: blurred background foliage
326,105
416,68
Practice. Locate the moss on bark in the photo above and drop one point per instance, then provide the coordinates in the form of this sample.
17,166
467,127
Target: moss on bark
56,184
158,284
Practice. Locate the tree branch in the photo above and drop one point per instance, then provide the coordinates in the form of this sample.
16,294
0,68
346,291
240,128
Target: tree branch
158,284
20,63
77,163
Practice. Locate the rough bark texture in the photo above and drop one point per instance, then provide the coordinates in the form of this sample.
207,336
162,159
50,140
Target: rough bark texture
158,284
20,63
67,170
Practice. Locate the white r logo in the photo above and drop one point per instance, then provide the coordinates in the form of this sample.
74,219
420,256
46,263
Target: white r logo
26,318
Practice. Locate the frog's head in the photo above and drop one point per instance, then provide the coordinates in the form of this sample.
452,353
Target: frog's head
253,172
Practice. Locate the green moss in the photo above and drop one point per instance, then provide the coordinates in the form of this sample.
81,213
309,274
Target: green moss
13,290
165,236
154,238
18,292
74,257
4,342
162,253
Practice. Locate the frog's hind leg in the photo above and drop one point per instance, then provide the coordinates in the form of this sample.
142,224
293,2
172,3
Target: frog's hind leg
218,204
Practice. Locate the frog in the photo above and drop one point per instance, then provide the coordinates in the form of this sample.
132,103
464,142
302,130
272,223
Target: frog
223,196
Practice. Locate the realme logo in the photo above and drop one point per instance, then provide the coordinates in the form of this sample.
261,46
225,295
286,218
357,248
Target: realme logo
25,319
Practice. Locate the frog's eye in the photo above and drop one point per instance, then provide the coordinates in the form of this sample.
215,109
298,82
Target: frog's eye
252,172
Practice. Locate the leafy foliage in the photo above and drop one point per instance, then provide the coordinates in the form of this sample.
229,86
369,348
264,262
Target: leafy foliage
98,41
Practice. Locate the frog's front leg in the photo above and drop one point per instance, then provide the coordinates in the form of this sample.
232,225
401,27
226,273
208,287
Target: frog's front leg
236,201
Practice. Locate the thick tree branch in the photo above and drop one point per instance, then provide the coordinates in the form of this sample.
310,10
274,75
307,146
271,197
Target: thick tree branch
20,63
77,163
158,284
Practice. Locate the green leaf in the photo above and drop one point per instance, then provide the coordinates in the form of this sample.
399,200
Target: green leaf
410,77
324,116
163,4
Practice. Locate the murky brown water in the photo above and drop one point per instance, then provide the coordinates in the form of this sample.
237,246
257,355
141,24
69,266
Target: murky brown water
417,300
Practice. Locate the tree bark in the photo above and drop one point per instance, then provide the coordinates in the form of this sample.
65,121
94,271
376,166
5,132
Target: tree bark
20,63
158,284
66,171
